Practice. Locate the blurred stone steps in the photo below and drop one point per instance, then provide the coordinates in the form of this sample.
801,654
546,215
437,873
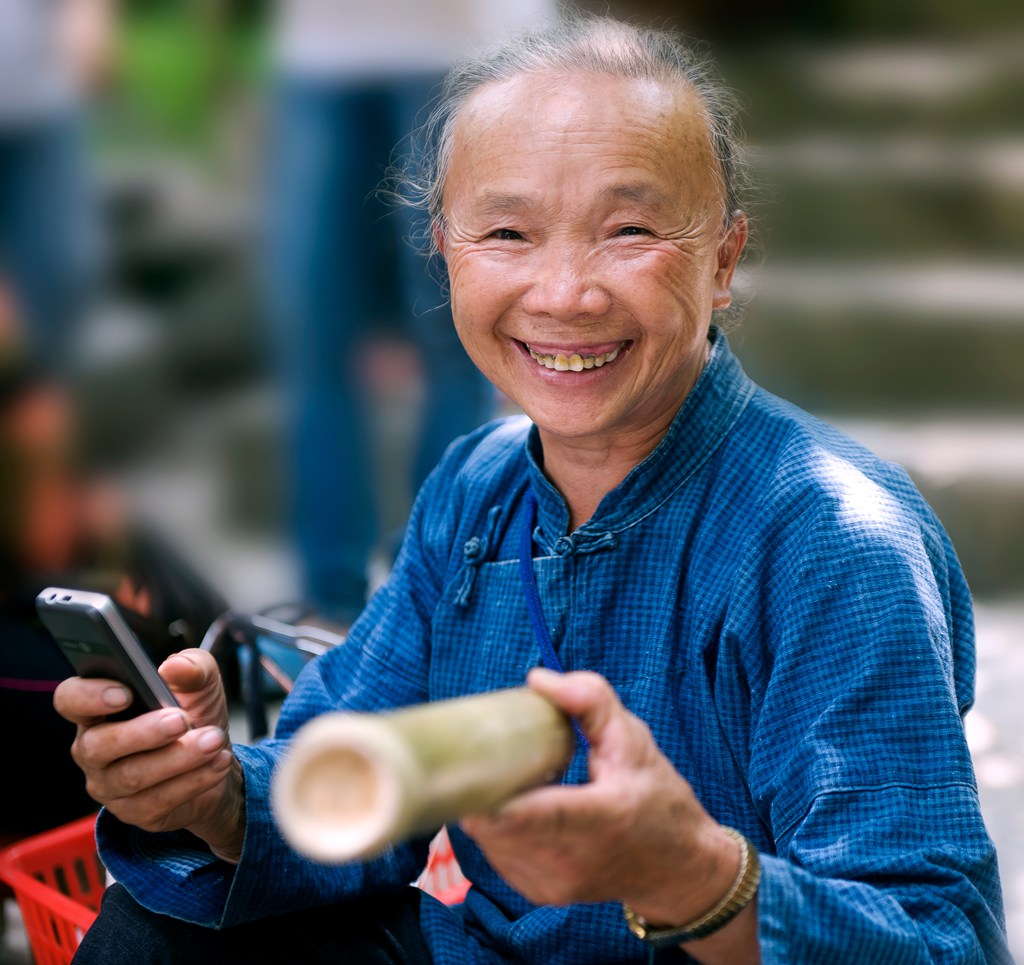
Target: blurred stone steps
882,338
872,149
892,196
964,88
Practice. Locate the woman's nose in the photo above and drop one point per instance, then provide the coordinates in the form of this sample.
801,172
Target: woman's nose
564,285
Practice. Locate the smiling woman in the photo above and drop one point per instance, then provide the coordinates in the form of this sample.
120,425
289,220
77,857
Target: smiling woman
770,692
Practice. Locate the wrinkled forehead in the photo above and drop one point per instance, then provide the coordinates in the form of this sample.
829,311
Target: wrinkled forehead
660,124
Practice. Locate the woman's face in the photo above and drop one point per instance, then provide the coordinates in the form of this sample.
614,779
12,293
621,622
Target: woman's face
585,246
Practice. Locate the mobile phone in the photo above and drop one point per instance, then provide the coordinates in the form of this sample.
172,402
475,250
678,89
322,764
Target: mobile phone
96,639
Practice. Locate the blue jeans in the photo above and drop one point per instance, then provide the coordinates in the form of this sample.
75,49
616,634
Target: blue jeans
49,231
340,265
384,930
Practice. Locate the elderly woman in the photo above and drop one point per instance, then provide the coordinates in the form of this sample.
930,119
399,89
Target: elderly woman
765,633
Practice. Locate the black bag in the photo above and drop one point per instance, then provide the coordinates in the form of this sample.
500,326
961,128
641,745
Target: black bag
182,603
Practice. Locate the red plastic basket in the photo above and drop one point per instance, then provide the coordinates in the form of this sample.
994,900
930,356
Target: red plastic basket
58,881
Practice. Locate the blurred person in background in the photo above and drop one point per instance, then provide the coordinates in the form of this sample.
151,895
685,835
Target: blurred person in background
55,56
60,527
352,79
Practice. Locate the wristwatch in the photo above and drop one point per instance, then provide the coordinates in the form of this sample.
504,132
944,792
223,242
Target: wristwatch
738,897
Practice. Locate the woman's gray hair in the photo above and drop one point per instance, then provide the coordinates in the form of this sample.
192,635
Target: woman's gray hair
578,43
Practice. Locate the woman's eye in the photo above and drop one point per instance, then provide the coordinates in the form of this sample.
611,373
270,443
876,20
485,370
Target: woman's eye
507,234
633,229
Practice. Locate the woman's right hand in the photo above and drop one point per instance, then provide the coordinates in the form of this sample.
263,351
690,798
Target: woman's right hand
168,769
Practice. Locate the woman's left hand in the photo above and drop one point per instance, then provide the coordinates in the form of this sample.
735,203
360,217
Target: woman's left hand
635,833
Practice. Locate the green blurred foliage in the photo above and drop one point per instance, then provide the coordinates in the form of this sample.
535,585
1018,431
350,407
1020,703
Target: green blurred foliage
178,67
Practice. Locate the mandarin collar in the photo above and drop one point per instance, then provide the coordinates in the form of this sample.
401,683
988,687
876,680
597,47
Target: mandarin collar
705,417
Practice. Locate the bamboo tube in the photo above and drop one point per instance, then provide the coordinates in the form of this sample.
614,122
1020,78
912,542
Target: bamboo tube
351,784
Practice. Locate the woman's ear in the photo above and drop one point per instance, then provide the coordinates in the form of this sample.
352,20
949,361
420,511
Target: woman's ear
729,252
437,232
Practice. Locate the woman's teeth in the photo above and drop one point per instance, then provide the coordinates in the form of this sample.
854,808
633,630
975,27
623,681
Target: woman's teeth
575,362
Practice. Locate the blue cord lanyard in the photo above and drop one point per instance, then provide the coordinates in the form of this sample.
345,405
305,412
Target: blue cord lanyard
529,580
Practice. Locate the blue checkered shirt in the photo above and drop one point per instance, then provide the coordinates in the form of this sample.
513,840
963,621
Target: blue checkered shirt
778,604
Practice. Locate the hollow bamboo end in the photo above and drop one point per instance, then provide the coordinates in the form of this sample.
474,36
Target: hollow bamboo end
337,795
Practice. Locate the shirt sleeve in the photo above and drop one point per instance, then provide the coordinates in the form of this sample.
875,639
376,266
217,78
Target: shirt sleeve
875,848
381,665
